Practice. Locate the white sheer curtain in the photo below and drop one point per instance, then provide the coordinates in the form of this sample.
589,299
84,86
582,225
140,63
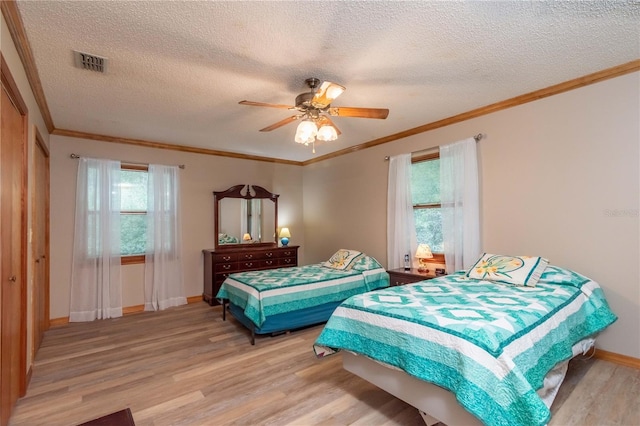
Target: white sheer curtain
96,287
256,218
244,212
253,224
401,230
163,282
460,205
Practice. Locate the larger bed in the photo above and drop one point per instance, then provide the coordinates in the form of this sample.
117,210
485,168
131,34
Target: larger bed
276,300
499,351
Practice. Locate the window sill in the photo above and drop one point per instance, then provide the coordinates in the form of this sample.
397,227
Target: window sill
132,260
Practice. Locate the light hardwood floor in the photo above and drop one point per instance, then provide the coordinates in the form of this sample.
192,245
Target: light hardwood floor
185,366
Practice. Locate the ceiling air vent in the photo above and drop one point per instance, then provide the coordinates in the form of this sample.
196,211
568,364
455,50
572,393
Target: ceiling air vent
90,62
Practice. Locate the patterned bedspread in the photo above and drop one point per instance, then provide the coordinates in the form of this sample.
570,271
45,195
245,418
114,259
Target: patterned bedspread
490,344
276,291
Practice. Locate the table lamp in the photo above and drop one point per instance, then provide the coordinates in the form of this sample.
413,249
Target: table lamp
423,253
284,236
246,237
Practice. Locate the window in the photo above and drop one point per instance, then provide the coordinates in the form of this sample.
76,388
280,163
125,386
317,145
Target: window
425,195
133,213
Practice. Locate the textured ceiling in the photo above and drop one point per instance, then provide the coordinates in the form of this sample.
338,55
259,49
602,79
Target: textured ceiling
177,69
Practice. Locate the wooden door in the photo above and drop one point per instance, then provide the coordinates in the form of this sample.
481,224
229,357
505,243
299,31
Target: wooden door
40,244
12,246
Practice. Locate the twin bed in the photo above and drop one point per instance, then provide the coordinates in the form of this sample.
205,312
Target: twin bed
486,346
469,350
278,300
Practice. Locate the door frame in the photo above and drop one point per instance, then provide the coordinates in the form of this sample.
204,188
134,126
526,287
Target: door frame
12,90
39,145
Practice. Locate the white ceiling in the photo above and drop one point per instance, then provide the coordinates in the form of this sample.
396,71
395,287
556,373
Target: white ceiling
177,69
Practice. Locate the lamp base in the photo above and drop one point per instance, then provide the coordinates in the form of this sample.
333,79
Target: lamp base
284,241
423,265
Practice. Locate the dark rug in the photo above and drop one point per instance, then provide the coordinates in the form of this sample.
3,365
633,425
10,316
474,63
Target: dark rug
119,418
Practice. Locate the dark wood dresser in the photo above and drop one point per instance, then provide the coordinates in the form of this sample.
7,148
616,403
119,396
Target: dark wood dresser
219,264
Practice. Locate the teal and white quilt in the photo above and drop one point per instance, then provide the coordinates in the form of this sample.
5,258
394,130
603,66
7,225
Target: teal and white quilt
264,293
490,344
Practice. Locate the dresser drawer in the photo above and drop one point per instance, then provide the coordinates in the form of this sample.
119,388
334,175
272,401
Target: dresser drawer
269,254
269,263
401,276
287,253
287,261
225,257
219,278
226,267
250,256
400,280
248,265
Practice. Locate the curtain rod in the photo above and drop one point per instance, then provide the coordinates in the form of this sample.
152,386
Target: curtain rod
76,156
477,137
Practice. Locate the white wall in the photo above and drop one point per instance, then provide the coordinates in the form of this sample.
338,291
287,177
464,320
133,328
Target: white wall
203,175
559,178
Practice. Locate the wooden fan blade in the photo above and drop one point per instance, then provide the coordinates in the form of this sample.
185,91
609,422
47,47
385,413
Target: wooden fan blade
262,104
380,113
280,123
327,92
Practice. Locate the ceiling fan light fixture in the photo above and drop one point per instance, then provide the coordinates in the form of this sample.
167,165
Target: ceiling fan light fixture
306,132
314,109
327,133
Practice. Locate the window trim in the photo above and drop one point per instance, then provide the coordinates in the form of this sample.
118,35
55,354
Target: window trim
437,257
133,259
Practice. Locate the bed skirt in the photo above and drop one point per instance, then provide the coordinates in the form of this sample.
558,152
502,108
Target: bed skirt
286,321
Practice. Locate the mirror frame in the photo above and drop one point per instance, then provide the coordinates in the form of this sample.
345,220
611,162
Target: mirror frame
236,192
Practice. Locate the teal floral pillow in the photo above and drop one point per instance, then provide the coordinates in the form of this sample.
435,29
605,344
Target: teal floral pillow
514,270
343,259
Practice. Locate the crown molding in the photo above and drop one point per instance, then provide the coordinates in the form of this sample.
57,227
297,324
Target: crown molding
21,42
173,147
576,83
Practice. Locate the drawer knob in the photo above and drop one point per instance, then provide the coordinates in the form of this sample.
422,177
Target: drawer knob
269,254
226,266
248,265
227,258
248,256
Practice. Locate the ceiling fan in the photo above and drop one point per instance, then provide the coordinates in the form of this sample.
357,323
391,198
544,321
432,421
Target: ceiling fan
314,108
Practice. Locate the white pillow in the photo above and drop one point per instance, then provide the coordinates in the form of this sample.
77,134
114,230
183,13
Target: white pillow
514,270
343,259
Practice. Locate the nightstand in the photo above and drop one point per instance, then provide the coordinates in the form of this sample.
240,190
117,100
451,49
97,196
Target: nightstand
400,276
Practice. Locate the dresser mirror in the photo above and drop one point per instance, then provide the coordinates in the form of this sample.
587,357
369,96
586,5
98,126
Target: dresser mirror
245,215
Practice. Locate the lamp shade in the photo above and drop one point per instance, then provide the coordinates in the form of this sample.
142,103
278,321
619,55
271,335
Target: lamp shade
424,252
284,233
246,237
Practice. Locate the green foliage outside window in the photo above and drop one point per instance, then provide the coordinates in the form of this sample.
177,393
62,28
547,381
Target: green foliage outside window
425,194
425,182
133,234
133,207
